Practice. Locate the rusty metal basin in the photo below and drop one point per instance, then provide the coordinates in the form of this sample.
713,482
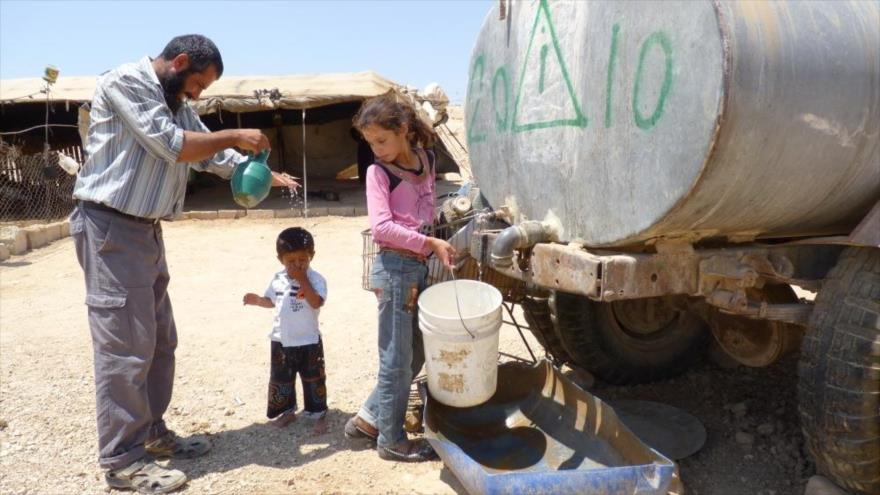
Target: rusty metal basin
539,434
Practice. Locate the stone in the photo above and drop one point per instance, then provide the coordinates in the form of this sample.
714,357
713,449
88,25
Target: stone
203,215
230,214
744,438
36,236
65,228
319,211
341,211
260,214
15,239
288,213
229,412
820,485
53,232
4,252
739,409
766,429
360,211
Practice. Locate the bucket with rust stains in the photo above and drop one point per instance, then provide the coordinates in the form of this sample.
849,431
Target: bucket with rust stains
460,320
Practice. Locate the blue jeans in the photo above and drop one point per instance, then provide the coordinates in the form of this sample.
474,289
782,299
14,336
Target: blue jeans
397,282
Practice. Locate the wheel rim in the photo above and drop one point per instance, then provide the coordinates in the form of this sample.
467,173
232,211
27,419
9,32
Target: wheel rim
643,319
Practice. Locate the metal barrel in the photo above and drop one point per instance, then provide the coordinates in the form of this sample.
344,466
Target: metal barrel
633,121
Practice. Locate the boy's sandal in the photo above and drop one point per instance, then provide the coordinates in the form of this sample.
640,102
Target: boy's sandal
356,427
145,477
170,445
408,451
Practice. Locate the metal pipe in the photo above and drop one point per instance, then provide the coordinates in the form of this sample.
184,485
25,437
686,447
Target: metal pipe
523,235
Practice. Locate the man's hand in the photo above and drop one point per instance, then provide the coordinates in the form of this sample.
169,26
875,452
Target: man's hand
198,146
251,140
284,180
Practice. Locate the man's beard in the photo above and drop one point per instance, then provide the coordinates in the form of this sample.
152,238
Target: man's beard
172,85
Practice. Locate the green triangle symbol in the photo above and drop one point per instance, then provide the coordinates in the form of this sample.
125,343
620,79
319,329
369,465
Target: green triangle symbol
548,76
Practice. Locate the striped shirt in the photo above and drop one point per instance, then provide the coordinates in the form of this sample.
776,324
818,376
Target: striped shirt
133,144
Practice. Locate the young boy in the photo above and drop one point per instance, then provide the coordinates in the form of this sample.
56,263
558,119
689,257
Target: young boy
296,293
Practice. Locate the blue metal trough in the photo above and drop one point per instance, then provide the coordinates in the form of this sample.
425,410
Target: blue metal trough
541,434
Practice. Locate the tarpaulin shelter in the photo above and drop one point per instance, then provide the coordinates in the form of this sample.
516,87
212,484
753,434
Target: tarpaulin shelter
276,104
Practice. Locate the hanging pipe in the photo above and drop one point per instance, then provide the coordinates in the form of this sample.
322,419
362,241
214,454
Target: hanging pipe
521,236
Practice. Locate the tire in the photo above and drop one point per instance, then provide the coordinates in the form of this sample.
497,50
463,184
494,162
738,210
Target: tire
622,344
839,374
537,314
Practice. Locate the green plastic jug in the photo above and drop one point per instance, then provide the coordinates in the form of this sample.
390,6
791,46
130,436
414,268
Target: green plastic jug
251,181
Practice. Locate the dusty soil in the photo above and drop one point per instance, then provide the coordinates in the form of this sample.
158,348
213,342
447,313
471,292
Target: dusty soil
47,427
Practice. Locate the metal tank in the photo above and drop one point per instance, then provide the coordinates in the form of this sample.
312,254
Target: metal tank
624,122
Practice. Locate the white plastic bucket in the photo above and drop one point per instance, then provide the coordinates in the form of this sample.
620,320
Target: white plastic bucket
462,370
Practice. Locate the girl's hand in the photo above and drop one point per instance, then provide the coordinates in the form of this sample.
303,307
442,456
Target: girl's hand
251,298
444,251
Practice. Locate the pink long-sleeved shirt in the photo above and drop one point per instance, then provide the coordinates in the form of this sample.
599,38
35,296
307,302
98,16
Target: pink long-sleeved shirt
396,217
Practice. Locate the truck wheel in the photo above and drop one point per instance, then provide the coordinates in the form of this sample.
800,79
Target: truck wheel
839,385
627,342
537,314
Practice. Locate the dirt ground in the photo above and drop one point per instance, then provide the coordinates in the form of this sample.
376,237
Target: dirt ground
47,425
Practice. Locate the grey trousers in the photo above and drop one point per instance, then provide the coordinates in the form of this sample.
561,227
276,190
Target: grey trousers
132,326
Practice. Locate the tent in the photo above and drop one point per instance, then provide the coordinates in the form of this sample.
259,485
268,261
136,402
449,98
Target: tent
278,105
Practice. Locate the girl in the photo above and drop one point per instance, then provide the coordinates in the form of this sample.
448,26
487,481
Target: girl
400,202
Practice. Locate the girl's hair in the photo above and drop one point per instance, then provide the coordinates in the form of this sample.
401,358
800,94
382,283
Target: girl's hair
295,239
390,111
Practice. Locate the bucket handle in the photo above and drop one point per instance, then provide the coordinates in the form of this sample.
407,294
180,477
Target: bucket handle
457,305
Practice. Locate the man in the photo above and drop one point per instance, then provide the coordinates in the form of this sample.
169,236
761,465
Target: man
142,140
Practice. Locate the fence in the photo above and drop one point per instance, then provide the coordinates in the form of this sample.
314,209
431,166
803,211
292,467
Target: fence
35,187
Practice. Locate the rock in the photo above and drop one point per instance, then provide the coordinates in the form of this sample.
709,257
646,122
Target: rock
53,232
229,412
4,252
3,424
820,485
36,236
765,429
265,214
230,214
739,409
744,438
15,239
203,215
341,211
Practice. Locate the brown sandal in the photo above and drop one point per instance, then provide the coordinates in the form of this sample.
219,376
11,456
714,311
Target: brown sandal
170,445
357,427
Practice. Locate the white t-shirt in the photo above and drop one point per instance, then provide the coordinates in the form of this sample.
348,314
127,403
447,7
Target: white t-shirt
295,321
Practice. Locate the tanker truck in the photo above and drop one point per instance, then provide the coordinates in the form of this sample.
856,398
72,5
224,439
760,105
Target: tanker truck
659,174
